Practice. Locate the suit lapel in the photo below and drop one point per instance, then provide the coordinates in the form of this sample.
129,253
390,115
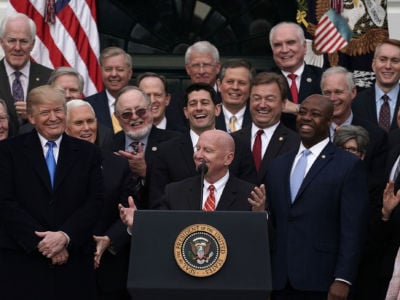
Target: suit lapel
67,153
187,151
394,119
274,147
193,194
371,106
34,152
228,195
324,158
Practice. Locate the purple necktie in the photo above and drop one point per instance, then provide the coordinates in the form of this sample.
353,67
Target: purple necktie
17,91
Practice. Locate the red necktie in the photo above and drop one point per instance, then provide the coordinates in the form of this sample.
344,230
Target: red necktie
210,202
293,88
257,149
384,114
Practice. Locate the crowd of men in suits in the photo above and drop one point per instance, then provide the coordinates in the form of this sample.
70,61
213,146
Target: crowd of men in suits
74,170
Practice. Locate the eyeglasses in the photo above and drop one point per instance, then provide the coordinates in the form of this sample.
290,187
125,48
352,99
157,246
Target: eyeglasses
198,66
140,112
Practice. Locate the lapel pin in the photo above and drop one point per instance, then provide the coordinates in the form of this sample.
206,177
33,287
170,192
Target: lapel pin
37,79
309,80
154,149
280,138
323,156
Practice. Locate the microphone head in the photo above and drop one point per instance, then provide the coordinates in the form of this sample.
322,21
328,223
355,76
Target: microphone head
202,168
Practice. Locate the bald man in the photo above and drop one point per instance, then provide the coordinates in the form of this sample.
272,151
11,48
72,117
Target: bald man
216,149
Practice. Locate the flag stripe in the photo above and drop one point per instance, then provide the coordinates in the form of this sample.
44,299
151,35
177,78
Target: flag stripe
71,41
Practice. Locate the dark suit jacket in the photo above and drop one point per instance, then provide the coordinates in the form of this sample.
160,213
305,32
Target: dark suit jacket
156,137
309,84
319,237
282,141
220,120
29,204
99,103
377,150
174,162
39,75
364,107
185,195
118,185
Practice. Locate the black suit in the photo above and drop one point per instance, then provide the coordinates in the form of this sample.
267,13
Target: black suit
282,141
38,75
118,185
156,137
185,195
220,120
364,107
29,204
174,162
309,84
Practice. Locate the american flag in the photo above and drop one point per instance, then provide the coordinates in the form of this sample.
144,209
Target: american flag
66,36
332,33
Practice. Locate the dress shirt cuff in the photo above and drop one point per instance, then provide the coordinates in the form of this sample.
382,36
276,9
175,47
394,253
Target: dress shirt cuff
343,280
129,230
67,237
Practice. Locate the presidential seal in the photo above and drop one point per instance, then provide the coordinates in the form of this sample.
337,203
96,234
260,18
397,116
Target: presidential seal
200,250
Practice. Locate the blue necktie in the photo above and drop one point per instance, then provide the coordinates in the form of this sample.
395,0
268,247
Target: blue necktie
298,174
51,161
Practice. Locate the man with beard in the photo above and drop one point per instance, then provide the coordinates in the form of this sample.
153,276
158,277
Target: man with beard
139,139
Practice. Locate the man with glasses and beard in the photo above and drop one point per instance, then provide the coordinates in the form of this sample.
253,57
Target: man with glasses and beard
139,139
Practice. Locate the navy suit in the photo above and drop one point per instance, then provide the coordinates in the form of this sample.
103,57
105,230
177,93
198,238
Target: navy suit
29,204
320,236
185,195
282,141
174,162
309,84
38,75
101,108
364,107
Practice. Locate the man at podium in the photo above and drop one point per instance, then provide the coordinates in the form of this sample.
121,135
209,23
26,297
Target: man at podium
218,191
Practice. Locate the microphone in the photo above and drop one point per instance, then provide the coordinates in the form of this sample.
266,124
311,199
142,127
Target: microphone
202,170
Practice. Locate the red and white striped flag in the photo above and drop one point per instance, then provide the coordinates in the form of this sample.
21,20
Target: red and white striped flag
332,33
66,36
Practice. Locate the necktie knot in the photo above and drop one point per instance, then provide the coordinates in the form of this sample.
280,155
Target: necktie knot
17,74
385,98
232,125
135,146
292,76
